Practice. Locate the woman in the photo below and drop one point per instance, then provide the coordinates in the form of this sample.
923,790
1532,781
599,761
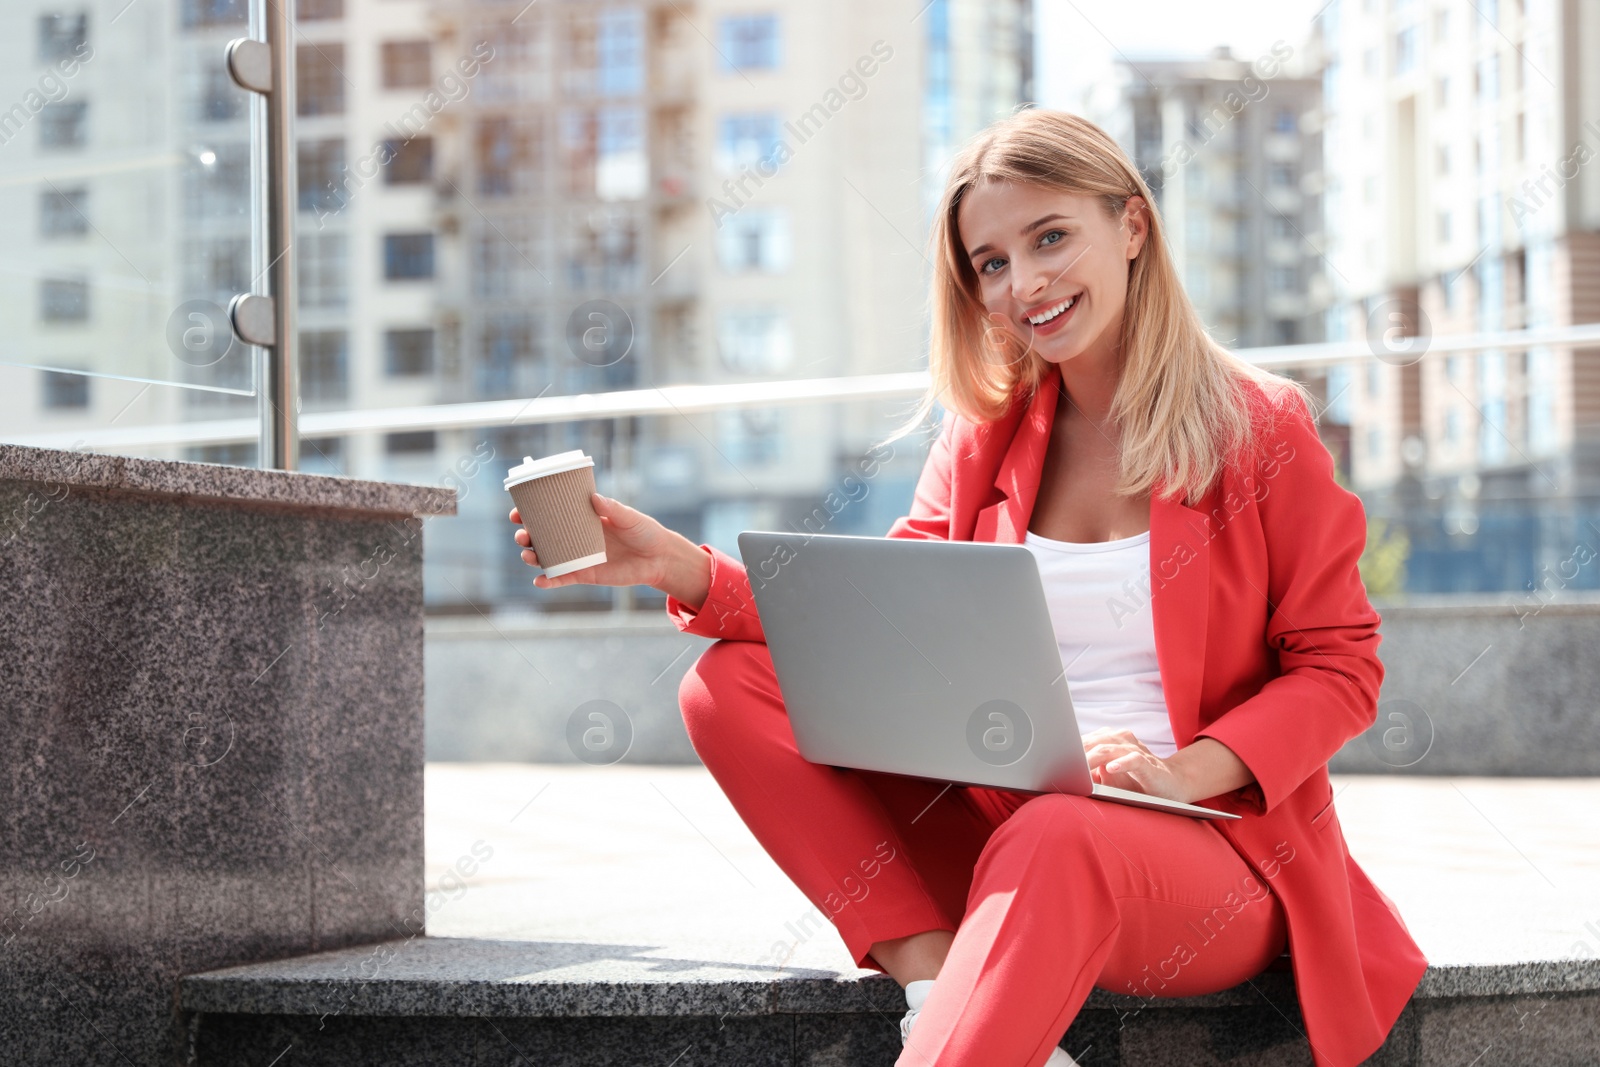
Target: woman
1200,563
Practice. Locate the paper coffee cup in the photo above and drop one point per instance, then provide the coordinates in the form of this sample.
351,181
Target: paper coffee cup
552,496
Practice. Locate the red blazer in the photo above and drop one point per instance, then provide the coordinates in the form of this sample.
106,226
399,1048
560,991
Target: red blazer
1266,642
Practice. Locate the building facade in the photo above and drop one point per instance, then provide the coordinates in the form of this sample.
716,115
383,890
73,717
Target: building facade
1461,197
503,200
1230,148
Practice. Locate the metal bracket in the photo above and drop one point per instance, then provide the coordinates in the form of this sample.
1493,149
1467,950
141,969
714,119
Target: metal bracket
253,319
250,64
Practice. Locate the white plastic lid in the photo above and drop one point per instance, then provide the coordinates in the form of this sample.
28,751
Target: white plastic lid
536,468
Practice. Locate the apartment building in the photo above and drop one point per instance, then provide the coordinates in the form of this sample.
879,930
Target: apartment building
1230,147
666,193
503,200
1461,197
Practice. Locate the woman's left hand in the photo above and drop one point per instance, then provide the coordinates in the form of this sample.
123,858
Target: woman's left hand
1120,760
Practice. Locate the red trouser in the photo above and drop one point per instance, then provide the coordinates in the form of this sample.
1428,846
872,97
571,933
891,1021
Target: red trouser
1047,895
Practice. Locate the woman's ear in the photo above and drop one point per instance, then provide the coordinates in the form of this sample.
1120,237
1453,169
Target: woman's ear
1136,218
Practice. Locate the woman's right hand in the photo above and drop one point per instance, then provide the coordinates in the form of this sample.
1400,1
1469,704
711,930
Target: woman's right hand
638,548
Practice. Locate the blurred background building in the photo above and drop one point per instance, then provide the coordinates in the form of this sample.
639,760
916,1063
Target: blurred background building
508,200
1462,197
1231,149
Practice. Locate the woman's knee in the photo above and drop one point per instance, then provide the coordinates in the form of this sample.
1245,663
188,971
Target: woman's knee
1061,823
717,683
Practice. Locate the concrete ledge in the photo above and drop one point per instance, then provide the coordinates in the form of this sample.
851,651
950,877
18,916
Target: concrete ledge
234,486
442,976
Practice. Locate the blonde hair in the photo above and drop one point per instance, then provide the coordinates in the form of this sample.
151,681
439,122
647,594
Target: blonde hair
1182,400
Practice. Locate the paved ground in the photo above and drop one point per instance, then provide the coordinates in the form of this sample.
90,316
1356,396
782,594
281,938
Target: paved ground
653,861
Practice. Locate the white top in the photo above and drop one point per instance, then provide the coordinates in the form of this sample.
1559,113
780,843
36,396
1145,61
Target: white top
1099,600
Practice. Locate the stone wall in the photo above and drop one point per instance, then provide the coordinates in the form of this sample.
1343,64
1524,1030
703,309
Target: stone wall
212,684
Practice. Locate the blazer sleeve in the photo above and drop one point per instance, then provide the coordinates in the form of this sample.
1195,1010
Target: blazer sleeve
729,611
1320,622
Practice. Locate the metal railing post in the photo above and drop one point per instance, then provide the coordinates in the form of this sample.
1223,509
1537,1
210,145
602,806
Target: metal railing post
267,68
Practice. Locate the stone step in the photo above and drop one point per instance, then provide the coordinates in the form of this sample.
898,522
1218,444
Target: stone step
440,1000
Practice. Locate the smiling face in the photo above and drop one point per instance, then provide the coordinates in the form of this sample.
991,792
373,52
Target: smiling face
1052,266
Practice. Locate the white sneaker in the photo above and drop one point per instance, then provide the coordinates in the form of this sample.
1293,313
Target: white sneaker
1058,1055
905,1025
916,995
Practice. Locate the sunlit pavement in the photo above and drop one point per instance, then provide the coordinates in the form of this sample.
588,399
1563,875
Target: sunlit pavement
653,862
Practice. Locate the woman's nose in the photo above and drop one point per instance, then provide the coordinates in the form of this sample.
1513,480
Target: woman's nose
1028,283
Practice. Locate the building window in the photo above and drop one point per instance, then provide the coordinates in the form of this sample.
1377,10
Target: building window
64,124
217,181
1374,380
1281,175
215,13
747,140
319,165
602,152
221,100
322,455
235,455
311,10
319,79
408,353
410,162
64,211
1452,425
504,257
63,300
754,341
410,443
62,390
407,64
1444,227
1283,279
748,42
603,252
407,256
1487,74
1285,332
604,53
752,436
1441,91
61,35
509,351
324,366
1284,121
324,269
1283,226
218,266
621,52
509,156
754,240
1405,50
1374,442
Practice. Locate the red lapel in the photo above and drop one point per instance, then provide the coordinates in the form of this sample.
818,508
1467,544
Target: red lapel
1179,552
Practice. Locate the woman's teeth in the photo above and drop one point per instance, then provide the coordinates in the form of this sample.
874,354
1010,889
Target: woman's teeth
1045,316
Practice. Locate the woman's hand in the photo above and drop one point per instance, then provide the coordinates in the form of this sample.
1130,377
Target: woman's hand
1120,760
638,548
1200,770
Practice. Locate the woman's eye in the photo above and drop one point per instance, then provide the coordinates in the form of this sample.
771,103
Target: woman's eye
1053,237
989,265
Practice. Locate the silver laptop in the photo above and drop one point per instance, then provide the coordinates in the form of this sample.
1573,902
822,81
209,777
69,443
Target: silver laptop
935,659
